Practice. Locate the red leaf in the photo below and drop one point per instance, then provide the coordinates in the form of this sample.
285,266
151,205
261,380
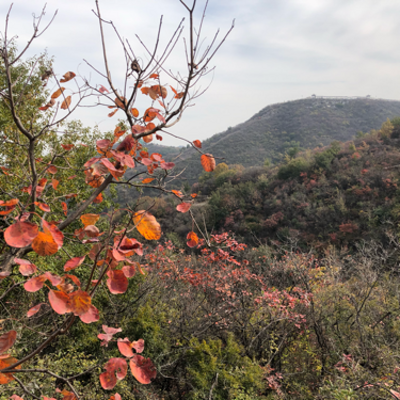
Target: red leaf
64,207
34,284
21,234
138,345
92,315
59,301
35,309
183,207
54,279
26,268
142,369
117,282
103,90
167,165
67,147
124,346
7,340
73,263
129,270
108,379
108,335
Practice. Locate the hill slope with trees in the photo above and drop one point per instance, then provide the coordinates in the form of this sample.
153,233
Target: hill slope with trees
285,127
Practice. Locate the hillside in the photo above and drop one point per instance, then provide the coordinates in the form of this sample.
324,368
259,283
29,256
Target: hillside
305,123
338,195
274,131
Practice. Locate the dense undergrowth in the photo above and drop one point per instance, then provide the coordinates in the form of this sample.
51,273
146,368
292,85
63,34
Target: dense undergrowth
306,308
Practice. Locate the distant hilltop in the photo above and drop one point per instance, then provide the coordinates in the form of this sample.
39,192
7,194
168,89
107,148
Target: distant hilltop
305,123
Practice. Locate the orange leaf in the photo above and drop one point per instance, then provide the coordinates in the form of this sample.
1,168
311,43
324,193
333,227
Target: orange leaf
148,138
79,302
9,203
118,132
177,193
149,114
147,180
55,183
52,169
21,234
147,225
193,239
135,112
150,126
57,93
142,369
68,76
66,103
44,244
7,341
49,241
115,396
5,362
183,207
193,195
153,76
208,162
44,207
64,207
197,143
66,394
177,95
89,219
112,113
120,103
98,199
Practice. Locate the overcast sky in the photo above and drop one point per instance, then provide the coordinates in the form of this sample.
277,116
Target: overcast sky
279,50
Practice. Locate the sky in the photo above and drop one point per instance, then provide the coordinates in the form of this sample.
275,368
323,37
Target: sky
279,50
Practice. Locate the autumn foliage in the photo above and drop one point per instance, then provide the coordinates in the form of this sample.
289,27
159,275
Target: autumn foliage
62,246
